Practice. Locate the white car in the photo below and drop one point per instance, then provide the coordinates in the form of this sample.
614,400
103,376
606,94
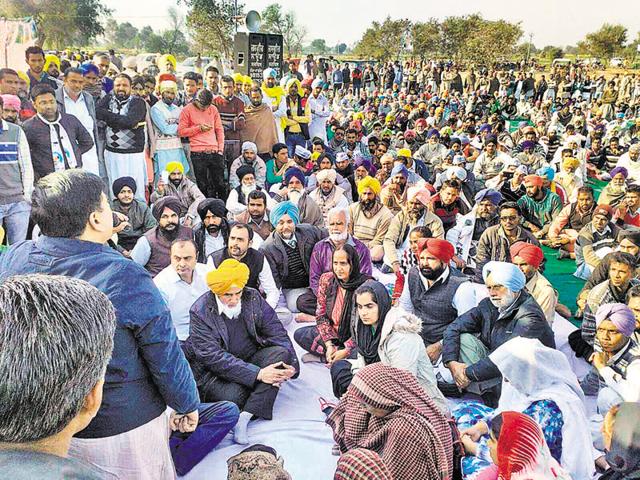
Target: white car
189,65
143,60
616,62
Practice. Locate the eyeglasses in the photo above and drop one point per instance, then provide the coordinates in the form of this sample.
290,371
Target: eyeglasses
507,218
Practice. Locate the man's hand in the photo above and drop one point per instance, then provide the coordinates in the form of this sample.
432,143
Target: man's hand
188,221
205,127
458,371
184,423
276,373
396,267
460,264
433,351
283,192
599,360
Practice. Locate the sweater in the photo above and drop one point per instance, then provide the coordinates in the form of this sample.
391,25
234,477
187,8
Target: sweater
191,118
125,130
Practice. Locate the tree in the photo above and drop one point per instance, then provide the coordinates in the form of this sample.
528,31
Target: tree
426,38
606,42
274,20
126,36
551,53
318,45
60,21
383,41
340,48
212,24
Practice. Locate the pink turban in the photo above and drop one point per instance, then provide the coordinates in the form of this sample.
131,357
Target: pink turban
11,101
420,193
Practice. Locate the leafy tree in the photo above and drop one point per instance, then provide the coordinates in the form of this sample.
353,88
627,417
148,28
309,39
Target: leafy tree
318,45
126,36
606,42
274,20
60,21
212,24
551,53
340,48
426,38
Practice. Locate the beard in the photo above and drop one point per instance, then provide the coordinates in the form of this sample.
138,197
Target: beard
294,196
415,215
231,312
506,301
256,104
338,237
121,96
431,273
367,205
213,228
176,181
247,189
167,101
617,189
170,231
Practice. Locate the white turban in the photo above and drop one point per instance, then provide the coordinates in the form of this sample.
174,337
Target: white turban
327,174
269,72
316,83
249,147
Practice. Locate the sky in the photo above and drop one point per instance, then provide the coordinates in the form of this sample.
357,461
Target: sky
551,22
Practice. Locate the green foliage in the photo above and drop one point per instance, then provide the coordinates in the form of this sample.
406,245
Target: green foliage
318,45
212,24
275,20
551,53
383,41
606,42
61,22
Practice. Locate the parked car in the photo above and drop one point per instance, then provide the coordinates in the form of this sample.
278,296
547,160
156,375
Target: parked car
144,60
189,65
616,62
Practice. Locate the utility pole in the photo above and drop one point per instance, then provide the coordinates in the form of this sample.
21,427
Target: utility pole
529,47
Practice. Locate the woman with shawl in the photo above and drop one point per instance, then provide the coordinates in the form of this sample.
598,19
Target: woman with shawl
330,339
519,451
537,381
386,410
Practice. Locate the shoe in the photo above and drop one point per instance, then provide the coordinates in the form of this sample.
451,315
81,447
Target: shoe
562,254
311,358
449,389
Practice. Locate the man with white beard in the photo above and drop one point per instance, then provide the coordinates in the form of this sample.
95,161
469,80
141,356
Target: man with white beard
292,189
509,311
238,197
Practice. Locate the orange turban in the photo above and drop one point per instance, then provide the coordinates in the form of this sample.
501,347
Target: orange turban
441,249
530,253
231,273
534,180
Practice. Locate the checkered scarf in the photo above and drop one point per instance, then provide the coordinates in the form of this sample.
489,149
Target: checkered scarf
414,440
361,464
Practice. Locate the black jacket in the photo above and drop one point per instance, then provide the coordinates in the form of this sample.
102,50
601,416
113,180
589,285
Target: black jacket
524,318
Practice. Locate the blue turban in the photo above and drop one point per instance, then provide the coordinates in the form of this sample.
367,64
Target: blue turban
89,67
400,169
294,172
363,162
505,274
485,127
490,194
546,172
433,132
284,208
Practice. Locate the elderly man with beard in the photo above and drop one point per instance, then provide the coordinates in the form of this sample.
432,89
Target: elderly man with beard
241,247
328,195
394,194
165,116
138,214
153,249
431,150
338,221
259,127
238,197
435,293
239,350
249,158
528,258
539,206
274,97
466,233
631,161
57,140
414,214
288,250
571,219
181,188
292,189
490,162
213,232
508,312
124,115
370,219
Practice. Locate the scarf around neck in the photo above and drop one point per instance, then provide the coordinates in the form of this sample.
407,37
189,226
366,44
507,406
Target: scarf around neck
62,152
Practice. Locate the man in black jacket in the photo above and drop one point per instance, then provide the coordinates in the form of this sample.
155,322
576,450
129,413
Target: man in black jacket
125,117
508,312
213,232
56,140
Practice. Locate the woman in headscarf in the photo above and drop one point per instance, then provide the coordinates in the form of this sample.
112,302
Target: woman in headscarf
361,464
331,338
539,382
386,410
519,451
613,192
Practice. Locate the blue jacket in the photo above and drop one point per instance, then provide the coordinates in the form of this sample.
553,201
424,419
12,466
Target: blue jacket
209,337
147,370
524,318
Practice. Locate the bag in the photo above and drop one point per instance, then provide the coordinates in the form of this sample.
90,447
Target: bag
458,450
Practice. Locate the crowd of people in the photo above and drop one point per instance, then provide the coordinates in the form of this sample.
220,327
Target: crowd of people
174,242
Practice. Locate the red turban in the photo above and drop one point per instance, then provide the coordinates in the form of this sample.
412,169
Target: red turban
530,253
534,180
441,249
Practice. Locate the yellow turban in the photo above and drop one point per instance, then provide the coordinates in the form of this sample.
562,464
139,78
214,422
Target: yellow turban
231,273
570,162
314,156
164,59
296,82
247,80
173,166
49,59
369,182
238,78
24,76
404,152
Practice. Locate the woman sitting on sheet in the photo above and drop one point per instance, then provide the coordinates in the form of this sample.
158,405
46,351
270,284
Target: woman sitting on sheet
519,451
387,411
388,336
330,339
537,381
